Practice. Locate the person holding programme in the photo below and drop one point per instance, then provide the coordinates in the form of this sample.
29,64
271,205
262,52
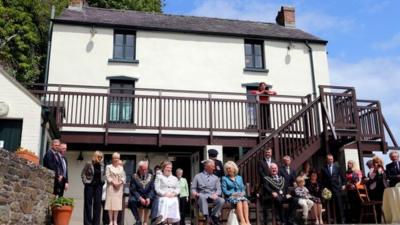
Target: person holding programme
167,188
184,194
234,191
116,179
93,179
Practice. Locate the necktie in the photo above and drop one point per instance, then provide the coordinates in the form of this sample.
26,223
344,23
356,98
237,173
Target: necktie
330,169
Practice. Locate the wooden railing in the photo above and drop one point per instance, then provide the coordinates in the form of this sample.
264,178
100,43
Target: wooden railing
292,138
371,124
102,107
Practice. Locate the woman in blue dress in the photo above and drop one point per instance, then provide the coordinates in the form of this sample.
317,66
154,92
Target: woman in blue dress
235,191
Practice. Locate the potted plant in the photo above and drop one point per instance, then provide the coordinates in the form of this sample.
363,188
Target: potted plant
28,155
61,208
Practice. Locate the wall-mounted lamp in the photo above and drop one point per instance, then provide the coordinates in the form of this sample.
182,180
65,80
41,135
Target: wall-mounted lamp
290,46
93,31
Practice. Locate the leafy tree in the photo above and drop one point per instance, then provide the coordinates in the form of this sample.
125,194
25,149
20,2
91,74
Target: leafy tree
24,28
139,5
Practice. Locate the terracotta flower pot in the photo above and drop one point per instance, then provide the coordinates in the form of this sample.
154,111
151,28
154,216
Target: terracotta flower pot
62,215
30,157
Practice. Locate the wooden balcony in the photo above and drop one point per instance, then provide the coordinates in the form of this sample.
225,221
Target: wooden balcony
161,116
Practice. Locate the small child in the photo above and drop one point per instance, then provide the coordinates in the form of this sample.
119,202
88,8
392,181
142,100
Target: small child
304,197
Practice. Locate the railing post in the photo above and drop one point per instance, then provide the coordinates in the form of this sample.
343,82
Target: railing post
258,117
58,111
381,126
107,124
159,119
324,125
210,114
358,128
276,149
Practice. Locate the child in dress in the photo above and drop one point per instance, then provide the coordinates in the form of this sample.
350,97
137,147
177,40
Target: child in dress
304,197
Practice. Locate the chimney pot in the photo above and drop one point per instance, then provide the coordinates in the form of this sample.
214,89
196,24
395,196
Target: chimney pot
77,4
286,17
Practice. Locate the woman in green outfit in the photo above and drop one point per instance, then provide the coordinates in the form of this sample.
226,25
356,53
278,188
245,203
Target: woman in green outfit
184,194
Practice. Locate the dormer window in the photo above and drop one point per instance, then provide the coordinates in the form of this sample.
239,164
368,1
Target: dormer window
124,46
254,54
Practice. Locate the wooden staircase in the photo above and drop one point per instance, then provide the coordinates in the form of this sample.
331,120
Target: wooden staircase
328,123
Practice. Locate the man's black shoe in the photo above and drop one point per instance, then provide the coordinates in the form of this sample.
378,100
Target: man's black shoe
215,220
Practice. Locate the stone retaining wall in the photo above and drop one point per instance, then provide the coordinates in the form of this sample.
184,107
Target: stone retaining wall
25,191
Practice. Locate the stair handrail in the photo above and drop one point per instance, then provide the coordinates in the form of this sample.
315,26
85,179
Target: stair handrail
274,133
392,138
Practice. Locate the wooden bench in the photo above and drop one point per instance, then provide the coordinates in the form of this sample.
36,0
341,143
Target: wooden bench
199,219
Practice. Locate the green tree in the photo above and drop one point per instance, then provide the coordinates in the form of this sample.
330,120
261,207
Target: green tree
139,5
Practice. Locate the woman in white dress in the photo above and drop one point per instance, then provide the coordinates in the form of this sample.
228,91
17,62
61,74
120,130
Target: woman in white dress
116,178
167,189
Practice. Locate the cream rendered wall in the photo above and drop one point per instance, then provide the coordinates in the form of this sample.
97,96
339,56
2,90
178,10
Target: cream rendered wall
181,61
21,106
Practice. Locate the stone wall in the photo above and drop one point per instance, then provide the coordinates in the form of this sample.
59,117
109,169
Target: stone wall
25,191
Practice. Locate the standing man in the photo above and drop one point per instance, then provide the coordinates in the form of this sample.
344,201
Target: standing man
263,169
52,161
393,169
332,179
276,191
207,188
288,173
64,164
265,163
219,168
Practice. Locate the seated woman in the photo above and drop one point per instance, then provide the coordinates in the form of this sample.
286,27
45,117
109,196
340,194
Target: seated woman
234,191
304,197
167,188
315,190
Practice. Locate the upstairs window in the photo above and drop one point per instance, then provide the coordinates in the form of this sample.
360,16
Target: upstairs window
254,54
124,45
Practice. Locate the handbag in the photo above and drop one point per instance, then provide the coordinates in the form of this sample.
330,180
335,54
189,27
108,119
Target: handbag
232,218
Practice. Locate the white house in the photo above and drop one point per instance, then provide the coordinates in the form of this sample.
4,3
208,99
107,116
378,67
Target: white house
159,86
20,116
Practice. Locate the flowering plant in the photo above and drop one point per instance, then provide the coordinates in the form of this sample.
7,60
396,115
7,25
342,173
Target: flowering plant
25,150
326,194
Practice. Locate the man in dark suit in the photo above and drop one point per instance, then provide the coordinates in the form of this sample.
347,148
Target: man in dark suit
275,190
263,170
52,161
219,168
287,172
333,179
393,169
64,165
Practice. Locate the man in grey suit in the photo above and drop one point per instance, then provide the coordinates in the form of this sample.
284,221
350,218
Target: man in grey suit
207,188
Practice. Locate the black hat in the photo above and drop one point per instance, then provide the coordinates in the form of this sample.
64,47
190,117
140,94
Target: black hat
212,153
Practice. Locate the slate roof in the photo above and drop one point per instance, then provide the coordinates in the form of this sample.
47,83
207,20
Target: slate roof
185,24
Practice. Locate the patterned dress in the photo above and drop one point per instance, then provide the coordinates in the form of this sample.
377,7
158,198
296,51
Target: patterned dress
234,190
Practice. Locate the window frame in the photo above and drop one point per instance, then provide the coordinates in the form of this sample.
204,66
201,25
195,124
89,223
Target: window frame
124,46
253,55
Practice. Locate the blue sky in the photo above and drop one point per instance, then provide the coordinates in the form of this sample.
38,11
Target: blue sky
363,35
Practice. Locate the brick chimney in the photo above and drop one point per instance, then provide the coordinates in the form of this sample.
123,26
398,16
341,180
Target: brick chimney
286,17
77,4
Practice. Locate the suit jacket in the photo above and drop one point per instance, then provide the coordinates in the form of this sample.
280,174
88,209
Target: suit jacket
271,185
290,177
141,187
207,185
229,186
263,167
52,161
392,173
87,173
333,182
219,168
65,178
